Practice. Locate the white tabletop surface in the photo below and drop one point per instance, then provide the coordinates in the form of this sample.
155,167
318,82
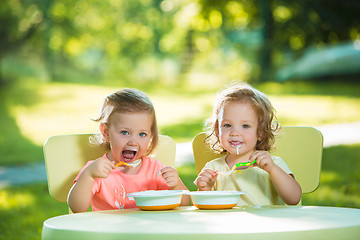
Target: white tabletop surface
265,222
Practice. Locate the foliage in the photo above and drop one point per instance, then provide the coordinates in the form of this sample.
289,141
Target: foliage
302,24
170,41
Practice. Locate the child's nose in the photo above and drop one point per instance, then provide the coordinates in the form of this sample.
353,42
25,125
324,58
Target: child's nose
235,132
132,141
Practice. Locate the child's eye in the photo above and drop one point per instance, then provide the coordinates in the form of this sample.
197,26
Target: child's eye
124,132
246,126
142,134
227,125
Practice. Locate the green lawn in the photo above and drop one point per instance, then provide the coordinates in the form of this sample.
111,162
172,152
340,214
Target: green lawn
23,209
33,112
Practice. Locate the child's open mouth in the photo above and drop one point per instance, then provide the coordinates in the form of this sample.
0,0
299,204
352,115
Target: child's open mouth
128,155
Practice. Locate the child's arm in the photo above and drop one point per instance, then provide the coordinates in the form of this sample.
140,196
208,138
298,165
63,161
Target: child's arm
206,179
286,186
80,194
173,180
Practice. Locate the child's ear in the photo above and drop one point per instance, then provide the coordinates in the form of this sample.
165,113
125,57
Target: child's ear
104,131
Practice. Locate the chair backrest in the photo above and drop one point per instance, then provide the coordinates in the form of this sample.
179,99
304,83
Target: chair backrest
66,155
300,147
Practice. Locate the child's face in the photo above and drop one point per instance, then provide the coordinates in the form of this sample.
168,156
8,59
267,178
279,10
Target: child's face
238,124
129,135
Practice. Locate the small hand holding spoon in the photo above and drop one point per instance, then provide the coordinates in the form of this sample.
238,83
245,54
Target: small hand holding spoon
133,164
233,169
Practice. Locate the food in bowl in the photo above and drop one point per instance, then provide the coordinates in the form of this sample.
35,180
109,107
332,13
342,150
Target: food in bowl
157,200
215,199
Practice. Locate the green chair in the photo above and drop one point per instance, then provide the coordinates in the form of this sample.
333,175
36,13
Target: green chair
300,147
66,155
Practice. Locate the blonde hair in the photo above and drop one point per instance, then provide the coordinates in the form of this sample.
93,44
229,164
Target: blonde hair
268,125
124,101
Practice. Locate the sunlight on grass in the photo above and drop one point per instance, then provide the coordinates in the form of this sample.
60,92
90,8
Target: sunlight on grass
329,176
15,200
175,109
69,108
64,108
316,110
43,110
24,209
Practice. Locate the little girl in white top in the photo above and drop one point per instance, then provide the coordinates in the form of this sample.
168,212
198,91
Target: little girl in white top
242,127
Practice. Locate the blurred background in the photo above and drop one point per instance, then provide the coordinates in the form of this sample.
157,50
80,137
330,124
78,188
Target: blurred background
60,59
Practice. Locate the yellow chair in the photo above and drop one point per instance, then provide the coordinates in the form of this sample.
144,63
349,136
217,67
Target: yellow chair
66,155
300,147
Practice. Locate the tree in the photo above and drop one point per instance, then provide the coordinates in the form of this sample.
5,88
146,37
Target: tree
289,26
19,23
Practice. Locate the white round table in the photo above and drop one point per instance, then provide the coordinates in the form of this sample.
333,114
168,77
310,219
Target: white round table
265,222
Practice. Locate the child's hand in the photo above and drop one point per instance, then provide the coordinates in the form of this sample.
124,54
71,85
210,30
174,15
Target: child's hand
100,168
263,160
171,176
173,180
206,179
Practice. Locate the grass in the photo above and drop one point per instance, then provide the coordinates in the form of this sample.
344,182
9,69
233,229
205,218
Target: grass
340,178
23,209
34,112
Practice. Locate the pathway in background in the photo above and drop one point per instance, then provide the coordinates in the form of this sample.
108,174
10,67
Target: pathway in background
29,173
335,134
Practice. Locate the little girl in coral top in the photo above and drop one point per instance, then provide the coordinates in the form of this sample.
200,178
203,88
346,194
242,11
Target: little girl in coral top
128,126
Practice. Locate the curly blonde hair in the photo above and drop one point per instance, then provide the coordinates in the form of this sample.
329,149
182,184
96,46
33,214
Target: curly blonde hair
123,101
268,125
